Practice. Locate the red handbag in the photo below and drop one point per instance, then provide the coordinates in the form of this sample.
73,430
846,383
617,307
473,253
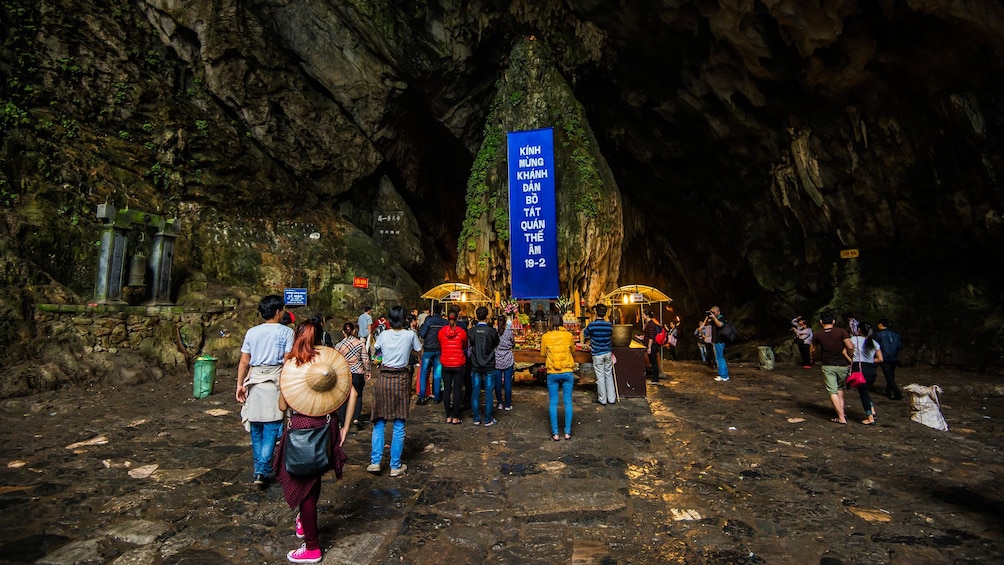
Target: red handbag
856,378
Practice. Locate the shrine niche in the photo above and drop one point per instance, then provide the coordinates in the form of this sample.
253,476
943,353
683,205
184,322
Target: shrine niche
147,241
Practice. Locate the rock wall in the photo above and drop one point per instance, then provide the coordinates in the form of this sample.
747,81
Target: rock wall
114,345
746,144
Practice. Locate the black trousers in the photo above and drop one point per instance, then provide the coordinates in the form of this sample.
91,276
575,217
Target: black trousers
889,372
453,380
653,359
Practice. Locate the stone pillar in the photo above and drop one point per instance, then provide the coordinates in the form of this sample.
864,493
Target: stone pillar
111,265
161,256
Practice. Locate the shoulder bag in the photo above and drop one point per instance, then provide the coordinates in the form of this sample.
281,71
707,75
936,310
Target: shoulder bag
308,450
856,378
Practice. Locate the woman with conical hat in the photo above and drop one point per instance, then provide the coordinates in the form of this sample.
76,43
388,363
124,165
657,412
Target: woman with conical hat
314,383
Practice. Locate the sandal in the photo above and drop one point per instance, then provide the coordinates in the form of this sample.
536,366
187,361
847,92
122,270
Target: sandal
555,437
568,436
837,421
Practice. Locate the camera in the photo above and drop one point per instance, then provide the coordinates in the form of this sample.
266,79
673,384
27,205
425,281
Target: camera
709,313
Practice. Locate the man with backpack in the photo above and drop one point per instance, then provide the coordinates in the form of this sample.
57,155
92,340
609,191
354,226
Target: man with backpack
431,350
720,336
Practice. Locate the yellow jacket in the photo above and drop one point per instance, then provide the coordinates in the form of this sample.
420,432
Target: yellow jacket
556,346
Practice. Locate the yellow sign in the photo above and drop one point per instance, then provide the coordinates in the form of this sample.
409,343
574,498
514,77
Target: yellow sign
849,253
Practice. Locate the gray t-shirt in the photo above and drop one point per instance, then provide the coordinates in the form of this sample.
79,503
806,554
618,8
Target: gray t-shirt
363,324
268,343
396,347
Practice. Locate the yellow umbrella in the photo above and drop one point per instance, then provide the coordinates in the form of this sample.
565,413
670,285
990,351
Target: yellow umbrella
467,293
636,294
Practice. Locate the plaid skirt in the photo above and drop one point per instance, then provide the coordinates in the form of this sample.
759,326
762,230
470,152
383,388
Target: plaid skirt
392,395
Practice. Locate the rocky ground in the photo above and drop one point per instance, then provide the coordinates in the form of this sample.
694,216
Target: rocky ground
749,471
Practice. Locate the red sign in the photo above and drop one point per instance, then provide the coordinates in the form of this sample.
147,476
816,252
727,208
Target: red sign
361,282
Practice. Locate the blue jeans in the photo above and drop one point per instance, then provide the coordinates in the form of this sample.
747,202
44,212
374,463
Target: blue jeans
565,382
396,443
489,382
263,438
430,362
723,369
503,383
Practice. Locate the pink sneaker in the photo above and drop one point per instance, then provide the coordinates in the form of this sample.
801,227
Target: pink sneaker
299,527
304,555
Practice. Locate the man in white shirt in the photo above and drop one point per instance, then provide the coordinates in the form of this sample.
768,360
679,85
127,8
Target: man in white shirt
365,322
262,353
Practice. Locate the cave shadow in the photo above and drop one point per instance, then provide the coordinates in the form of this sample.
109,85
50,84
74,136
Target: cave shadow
967,498
825,413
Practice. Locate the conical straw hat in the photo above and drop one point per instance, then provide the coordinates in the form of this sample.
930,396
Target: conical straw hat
319,387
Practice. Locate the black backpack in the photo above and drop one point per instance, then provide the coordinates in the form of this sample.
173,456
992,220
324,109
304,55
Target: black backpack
728,332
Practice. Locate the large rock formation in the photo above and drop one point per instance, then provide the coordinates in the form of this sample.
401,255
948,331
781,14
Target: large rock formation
750,143
531,95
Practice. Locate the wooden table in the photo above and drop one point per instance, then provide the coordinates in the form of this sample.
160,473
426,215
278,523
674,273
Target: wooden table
629,372
534,356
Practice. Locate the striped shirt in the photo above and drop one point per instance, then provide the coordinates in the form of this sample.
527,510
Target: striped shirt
600,333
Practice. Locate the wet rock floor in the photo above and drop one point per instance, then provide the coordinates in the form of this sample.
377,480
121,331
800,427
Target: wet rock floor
699,472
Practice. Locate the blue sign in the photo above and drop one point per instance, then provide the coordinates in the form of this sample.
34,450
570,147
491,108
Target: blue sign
533,223
295,297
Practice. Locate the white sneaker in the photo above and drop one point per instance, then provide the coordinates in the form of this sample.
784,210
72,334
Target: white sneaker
374,468
399,471
508,408
720,380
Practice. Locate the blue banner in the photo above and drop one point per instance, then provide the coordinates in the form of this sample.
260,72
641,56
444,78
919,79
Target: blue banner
295,296
533,225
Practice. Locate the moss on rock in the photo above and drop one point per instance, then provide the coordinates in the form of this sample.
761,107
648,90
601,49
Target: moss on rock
532,94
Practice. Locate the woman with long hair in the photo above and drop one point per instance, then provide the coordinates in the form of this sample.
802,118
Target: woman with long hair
392,395
867,352
303,491
354,350
453,357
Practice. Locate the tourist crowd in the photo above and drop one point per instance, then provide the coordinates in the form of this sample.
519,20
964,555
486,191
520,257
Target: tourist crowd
293,385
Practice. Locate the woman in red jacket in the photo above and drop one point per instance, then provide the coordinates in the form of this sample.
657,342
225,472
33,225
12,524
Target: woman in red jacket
453,341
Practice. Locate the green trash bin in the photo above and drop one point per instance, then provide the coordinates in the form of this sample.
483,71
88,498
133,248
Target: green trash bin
205,376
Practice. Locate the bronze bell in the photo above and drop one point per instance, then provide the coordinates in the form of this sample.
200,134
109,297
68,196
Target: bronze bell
137,269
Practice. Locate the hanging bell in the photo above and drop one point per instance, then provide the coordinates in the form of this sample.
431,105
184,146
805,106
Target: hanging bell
137,269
